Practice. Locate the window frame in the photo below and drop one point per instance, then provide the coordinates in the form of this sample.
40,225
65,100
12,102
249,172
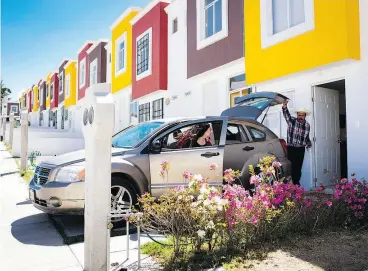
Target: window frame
244,137
161,110
40,91
142,108
268,38
202,41
91,77
61,86
52,93
11,108
67,86
175,25
249,128
148,72
222,139
121,39
134,110
82,72
239,91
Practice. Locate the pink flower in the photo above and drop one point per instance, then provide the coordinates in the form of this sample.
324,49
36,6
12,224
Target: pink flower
255,180
320,188
329,203
213,166
228,171
253,220
308,203
187,175
276,164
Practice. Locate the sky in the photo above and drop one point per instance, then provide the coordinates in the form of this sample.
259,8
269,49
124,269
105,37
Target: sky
36,35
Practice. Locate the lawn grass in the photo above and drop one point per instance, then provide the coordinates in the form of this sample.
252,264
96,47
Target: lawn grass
325,250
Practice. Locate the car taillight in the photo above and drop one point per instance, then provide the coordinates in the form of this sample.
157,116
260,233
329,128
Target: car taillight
283,144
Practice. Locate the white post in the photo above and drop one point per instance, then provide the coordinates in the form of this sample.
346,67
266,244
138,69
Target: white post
4,127
1,128
11,129
98,124
24,140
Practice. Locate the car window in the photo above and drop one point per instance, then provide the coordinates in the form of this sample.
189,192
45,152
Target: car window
235,134
256,134
133,135
191,136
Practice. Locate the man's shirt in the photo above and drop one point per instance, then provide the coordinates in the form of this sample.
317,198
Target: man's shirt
298,132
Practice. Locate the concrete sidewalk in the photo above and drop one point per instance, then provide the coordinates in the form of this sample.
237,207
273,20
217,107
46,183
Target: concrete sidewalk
29,240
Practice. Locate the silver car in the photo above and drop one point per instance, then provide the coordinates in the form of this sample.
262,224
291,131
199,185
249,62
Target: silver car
234,140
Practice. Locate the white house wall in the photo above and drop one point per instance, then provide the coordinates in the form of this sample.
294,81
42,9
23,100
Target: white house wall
122,100
204,94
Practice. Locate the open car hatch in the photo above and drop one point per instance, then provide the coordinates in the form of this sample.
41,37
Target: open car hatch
253,105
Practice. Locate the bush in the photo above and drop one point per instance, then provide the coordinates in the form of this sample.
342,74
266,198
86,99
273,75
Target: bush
232,218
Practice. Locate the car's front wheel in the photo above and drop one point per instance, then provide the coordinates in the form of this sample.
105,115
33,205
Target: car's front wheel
123,197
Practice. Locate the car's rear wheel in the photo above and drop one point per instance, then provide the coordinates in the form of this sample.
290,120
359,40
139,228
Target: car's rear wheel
123,198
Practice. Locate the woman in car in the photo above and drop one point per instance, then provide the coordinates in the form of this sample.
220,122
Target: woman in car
202,138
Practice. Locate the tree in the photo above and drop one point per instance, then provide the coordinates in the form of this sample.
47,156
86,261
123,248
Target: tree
4,93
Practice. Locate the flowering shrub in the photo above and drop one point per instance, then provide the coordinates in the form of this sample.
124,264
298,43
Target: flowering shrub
231,216
353,195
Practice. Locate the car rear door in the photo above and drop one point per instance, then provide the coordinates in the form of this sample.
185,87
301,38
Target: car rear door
252,106
187,159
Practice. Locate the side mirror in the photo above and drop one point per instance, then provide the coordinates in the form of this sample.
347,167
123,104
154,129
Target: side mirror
156,147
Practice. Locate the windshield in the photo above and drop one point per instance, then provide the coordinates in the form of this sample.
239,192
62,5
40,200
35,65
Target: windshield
132,136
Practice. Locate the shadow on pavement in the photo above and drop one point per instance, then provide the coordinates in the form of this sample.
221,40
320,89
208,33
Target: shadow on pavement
24,202
36,230
9,173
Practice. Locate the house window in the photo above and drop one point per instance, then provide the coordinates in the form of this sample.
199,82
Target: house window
40,94
121,54
13,109
144,54
284,19
52,92
237,88
158,109
175,25
212,22
67,86
144,112
133,110
61,82
93,72
82,73
47,90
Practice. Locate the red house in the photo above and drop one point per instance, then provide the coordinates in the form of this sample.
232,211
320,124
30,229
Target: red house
54,90
149,71
29,98
83,69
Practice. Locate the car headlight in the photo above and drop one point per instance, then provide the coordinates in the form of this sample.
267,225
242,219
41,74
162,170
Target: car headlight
70,174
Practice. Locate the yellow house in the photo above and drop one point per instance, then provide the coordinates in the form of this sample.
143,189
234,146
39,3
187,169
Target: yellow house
36,101
316,33
70,89
48,81
121,50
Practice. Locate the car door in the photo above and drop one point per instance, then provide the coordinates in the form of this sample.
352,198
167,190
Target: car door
196,160
240,150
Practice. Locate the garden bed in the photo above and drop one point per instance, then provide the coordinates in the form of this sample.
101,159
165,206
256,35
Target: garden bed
325,250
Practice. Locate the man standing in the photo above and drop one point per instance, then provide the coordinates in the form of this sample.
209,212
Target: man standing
297,140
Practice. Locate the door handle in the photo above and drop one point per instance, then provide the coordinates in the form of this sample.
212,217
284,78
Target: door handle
210,154
247,148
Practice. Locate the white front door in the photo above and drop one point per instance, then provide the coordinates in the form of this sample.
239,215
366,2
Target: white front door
327,135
